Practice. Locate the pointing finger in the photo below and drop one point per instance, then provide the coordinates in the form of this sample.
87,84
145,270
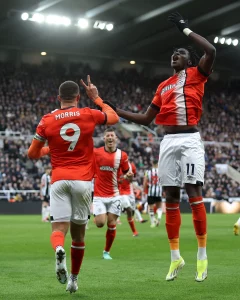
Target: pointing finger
88,80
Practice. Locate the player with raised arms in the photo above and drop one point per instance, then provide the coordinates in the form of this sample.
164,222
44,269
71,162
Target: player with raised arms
69,131
177,106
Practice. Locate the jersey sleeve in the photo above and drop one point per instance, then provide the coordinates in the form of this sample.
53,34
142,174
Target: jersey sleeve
99,117
199,74
124,162
40,131
134,170
157,100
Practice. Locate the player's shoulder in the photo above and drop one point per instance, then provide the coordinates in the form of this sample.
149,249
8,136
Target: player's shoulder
161,84
123,152
166,82
50,114
99,150
44,120
132,164
124,155
197,72
192,69
88,110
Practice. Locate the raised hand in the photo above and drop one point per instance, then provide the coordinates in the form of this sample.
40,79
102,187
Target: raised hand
178,20
90,88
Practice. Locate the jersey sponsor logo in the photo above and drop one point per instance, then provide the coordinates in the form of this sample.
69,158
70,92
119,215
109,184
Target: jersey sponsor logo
107,168
67,115
167,88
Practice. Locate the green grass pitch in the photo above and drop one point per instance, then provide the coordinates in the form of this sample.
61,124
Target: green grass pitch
138,268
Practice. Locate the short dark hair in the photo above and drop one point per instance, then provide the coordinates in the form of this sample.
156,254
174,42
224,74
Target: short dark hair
110,129
155,161
69,90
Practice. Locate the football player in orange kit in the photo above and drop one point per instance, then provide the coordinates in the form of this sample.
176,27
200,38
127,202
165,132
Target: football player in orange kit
127,196
69,131
107,200
177,106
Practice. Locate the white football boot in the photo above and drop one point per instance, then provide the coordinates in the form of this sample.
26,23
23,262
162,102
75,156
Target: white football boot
61,268
72,285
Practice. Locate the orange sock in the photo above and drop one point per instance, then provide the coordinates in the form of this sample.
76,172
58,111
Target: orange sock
57,239
174,244
173,223
199,215
110,236
199,220
132,225
202,240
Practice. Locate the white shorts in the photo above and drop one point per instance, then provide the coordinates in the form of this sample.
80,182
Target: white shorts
181,160
128,201
70,201
103,205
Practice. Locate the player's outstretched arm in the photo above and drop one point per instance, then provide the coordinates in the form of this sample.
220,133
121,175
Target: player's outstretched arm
92,92
206,62
143,119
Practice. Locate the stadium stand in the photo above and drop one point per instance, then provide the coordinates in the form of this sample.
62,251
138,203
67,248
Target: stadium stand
28,92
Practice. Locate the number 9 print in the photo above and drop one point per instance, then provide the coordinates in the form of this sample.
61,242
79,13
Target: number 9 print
73,138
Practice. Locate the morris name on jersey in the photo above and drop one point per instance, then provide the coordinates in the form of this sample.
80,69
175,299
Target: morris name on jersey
67,115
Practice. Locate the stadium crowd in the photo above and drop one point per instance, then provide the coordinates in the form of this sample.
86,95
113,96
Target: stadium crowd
29,92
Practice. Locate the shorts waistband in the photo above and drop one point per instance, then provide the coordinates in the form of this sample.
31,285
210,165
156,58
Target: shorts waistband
191,130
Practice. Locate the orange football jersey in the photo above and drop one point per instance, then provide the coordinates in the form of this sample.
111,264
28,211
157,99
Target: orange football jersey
125,186
179,98
108,167
69,134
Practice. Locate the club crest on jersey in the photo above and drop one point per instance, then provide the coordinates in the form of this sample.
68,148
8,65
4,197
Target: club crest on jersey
167,88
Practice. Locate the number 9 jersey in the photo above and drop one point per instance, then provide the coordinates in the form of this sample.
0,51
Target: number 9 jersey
69,134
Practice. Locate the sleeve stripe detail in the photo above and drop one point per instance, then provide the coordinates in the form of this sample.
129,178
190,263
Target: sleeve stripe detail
39,137
105,120
202,72
154,106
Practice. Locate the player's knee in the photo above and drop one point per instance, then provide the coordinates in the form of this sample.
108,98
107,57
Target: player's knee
78,239
171,199
99,224
172,194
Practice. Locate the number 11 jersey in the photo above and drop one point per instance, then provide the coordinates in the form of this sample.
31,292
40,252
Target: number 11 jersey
69,134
